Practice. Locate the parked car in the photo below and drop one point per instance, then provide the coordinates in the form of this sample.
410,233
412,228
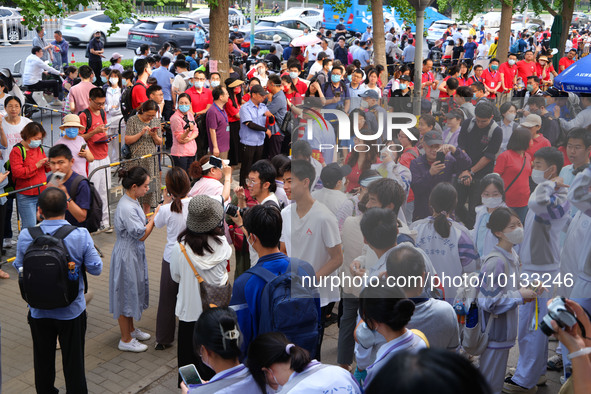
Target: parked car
530,18
295,24
530,27
79,28
177,31
263,37
313,16
14,28
436,30
202,16
579,20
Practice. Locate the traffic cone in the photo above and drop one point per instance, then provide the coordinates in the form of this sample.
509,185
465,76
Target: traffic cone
73,58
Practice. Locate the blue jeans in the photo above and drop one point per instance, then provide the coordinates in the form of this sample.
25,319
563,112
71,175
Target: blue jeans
27,209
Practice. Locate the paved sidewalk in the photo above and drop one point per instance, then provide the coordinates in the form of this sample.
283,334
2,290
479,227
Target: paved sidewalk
109,370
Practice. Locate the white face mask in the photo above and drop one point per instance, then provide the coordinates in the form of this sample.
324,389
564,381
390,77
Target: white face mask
492,202
510,117
515,236
538,176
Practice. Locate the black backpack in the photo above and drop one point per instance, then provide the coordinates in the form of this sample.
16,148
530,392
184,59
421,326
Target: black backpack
88,115
45,281
94,214
127,109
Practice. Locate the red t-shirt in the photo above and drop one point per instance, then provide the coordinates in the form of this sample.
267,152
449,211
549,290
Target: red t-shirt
138,95
549,71
428,77
565,62
508,165
301,86
99,150
444,94
509,73
492,80
535,144
405,160
199,101
232,111
525,69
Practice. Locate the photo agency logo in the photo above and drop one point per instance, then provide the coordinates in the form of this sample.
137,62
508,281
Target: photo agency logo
322,125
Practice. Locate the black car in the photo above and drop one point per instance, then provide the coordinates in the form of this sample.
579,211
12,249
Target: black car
179,32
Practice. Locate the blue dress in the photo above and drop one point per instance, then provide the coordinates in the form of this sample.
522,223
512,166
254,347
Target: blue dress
128,277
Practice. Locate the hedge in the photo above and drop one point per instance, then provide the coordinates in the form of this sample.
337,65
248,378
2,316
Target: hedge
126,63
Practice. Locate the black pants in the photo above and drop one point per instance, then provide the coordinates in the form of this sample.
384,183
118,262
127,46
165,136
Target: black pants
470,194
165,318
274,145
183,161
185,353
235,154
48,84
45,333
324,311
8,216
167,112
250,155
96,66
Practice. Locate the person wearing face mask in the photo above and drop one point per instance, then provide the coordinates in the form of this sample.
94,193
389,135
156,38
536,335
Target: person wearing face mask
184,132
533,123
28,165
492,79
232,108
79,93
113,110
545,71
138,92
508,71
493,197
260,72
498,299
508,113
527,66
533,88
96,49
71,138
199,38
547,216
400,98
295,69
317,66
454,124
277,363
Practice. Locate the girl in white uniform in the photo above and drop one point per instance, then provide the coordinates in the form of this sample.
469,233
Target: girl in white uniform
492,192
278,365
447,242
217,340
386,310
498,304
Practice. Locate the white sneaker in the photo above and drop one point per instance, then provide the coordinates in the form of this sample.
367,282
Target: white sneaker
132,346
140,335
56,103
7,243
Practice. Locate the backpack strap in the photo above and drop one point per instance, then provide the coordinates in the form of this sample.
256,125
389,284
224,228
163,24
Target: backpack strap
421,335
73,191
88,115
263,273
35,232
64,231
103,116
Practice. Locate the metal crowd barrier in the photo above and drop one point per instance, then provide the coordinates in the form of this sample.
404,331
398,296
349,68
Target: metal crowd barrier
43,112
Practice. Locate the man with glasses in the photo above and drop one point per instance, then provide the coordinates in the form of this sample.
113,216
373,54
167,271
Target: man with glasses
94,121
253,120
96,48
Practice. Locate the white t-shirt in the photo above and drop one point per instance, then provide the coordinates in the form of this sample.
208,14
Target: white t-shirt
329,52
175,224
75,145
13,133
2,110
316,67
311,237
333,199
313,51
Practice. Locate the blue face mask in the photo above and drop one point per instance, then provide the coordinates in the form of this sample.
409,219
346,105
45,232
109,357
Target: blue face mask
474,97
71,132
189,84
293,74
184,108
402,86
215,84
34,144
350,78
93,78
335,78
124,81
103,79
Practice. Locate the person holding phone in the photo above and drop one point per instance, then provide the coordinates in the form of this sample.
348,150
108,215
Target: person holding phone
430,169
184,132
71,128
143,136
216,340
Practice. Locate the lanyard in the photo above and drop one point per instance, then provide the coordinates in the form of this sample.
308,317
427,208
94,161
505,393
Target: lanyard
222,111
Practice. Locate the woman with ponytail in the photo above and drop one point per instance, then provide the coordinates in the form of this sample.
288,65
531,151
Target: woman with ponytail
216,340
447,242
274,361
173,215
386,310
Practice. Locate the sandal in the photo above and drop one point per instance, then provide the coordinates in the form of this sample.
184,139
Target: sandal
555,363
4,275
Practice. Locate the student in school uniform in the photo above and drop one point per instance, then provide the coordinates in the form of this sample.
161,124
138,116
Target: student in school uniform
539,254
492,193
285,367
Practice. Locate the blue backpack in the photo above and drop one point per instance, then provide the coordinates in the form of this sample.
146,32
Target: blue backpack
289,307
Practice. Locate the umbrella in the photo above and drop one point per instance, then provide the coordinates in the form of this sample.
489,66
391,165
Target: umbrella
304,41
576,78
555,38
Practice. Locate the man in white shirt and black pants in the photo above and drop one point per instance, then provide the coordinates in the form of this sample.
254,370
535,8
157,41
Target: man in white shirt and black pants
33,74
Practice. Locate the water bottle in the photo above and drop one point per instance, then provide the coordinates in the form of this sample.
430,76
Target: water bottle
72,271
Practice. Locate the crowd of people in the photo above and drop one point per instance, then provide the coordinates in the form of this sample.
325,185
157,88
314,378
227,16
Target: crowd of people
493,181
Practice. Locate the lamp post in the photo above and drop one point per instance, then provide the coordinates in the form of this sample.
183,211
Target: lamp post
419,6
252,7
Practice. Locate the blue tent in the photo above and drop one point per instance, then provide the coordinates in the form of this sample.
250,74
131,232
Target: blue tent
431,15
576,78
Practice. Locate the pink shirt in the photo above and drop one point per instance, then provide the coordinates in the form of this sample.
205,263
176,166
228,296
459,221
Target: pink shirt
206,186
80,95
80,163
177,125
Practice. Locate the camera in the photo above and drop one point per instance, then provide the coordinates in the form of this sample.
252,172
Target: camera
232,210
558,312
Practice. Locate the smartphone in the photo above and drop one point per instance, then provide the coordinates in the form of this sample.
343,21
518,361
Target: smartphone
440,157
215,161
83,147
56,177
189,374
154,128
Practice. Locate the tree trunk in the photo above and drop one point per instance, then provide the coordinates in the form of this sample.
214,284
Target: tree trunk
505,30
379,39
218,37
568,7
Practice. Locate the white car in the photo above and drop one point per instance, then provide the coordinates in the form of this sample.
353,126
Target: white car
295,24
436,30
79,27
312,16
235,16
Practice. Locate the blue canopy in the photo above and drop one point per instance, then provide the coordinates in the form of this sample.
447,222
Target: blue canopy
431,15
576,78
